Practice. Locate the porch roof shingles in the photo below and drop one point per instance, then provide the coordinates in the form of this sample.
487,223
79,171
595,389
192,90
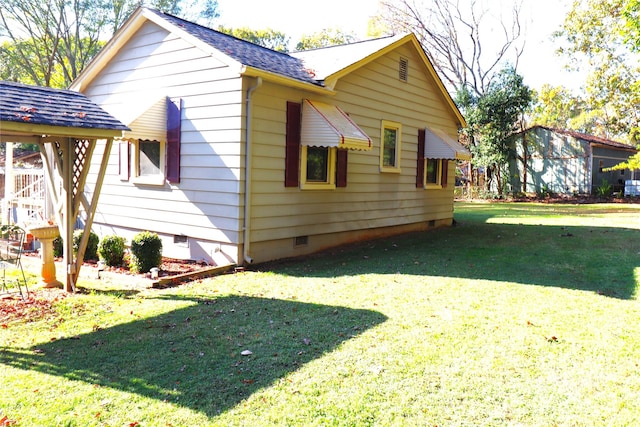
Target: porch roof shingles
53,107
249,54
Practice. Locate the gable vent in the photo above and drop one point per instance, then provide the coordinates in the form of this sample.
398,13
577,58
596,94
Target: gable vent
403,69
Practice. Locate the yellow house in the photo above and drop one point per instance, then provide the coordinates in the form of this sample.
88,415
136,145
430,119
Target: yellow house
238,153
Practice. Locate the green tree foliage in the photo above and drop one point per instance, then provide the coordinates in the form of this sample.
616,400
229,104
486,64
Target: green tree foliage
268,38
49,43
558,107
631,30
325,38
602,36
633,164
492,117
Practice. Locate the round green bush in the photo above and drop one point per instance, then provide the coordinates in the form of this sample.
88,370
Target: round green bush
146,252
91,253
58,247
111,250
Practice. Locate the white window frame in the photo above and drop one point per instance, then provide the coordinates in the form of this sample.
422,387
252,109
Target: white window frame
330,183
154,179
397,127
433,185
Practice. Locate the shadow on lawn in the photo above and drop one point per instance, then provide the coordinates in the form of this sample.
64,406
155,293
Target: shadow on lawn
193,356
597,259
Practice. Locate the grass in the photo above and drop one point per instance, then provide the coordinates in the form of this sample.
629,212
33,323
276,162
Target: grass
521,314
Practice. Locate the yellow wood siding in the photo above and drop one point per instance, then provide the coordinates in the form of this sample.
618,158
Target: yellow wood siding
371,200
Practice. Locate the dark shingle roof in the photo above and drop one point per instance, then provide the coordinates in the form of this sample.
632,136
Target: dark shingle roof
53,107
245,52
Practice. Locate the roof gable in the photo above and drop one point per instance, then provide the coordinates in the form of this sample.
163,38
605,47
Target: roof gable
244,52
329,61
230,50
332,63
37,105
317,69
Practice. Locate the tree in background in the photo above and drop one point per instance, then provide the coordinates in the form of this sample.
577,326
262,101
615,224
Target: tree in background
325,38
459,37
50,43
268,38
631,32
558,107
492,117
475,51
603,36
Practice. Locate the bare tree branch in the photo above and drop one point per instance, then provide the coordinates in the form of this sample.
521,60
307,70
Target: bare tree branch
467,43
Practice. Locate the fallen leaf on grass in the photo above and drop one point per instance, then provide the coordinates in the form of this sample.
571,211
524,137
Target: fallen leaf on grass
4,422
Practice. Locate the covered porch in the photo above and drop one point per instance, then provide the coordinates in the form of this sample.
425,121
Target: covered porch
65,125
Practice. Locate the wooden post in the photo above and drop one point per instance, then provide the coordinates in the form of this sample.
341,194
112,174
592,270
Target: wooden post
9,184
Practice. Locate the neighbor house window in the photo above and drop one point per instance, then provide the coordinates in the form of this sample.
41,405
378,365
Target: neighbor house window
433,173
318,167
149,162
390,141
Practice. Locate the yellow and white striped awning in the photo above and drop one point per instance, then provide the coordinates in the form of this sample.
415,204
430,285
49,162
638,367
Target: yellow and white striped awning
325,125
439,145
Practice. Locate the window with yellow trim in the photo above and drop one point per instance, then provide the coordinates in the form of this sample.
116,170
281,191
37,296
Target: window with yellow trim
432,173
390,146
318,169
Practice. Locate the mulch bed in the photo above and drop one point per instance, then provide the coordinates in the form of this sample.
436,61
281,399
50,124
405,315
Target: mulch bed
168,267
580,199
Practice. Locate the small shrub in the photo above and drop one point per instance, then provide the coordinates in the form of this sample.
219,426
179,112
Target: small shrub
58,247
111,250
545,192
146,252
604,190
91,253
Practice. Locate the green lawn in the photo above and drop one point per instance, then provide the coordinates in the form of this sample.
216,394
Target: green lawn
521,314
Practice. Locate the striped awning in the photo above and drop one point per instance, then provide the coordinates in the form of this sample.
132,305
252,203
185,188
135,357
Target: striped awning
325,125
439,145
147,122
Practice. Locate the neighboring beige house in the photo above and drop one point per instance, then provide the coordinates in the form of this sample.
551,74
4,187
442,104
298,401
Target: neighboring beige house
239,153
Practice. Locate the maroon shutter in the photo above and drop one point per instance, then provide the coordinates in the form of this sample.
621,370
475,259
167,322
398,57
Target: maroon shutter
173,139
420,165
292,147
123,160
341,168
445,173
